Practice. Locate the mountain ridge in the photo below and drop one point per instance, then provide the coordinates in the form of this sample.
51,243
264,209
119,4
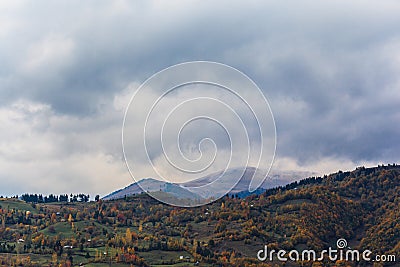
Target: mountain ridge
194,190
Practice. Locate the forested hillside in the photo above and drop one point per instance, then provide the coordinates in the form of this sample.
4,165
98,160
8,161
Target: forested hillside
361,206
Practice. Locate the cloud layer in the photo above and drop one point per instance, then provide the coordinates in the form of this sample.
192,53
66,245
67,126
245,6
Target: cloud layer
330,71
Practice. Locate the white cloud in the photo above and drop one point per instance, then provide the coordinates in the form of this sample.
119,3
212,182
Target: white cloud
51,153
324,165
50,54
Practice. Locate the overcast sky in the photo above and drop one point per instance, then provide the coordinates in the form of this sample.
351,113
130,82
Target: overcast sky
329,69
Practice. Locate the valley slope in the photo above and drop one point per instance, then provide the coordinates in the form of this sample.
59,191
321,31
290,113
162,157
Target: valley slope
361,206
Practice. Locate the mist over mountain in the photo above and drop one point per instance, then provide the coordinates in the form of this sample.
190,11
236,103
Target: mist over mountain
218,182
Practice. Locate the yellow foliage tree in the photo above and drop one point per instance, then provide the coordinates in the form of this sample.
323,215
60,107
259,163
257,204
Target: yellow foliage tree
140,226
128,236
54,259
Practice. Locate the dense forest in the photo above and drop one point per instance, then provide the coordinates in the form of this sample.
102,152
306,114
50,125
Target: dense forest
361,206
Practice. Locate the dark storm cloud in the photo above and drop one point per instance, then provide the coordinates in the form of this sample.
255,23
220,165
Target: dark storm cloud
349,111
329,69
332,80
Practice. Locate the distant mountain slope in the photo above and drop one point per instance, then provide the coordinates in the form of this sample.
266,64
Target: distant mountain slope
220,180
153,185
194,190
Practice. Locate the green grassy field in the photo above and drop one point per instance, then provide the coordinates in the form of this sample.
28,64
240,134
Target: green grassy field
62,228
169,258
163,257
106,265
15,204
